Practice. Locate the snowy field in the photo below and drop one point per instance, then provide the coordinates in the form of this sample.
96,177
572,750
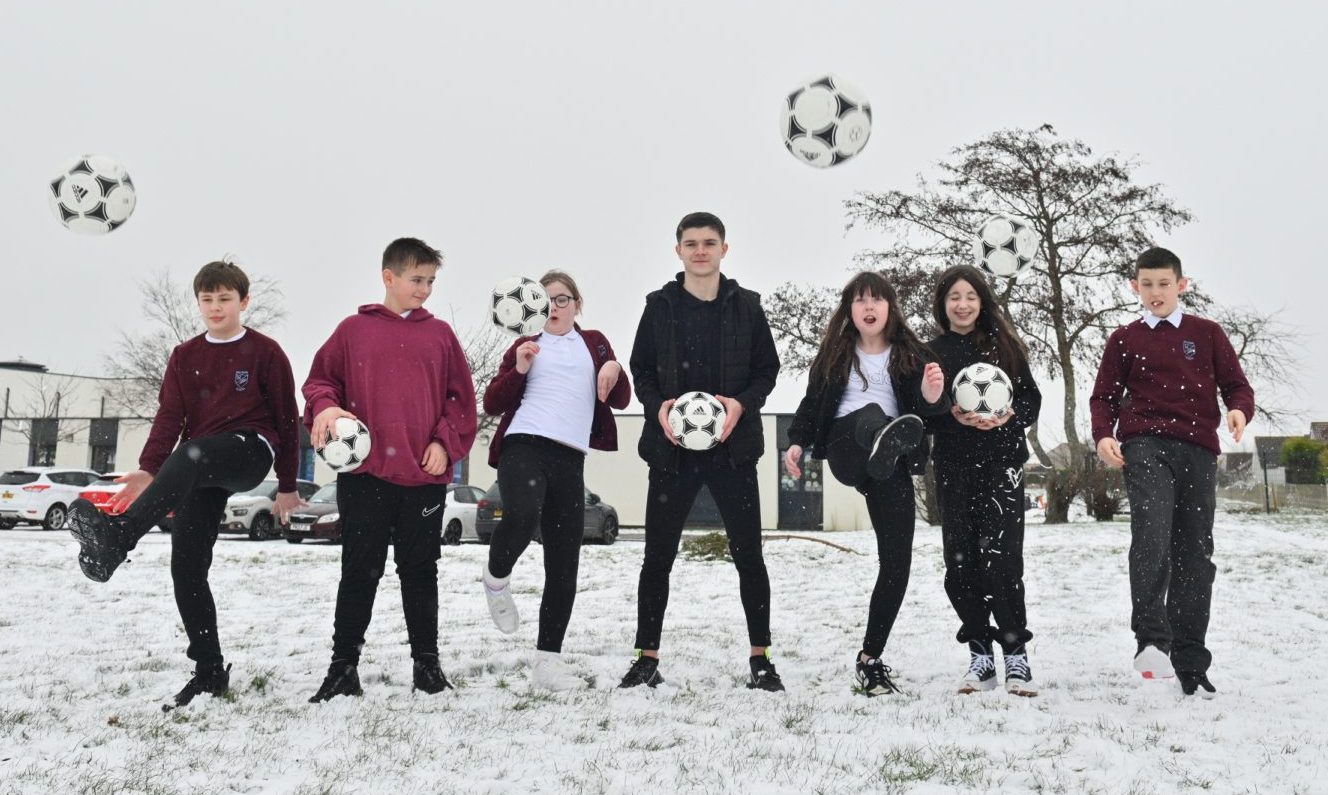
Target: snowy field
85,668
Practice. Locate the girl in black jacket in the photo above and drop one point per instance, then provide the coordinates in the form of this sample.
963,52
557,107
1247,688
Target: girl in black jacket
870,378
980,483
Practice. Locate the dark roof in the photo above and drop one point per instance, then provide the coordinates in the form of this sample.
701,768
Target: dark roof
23,364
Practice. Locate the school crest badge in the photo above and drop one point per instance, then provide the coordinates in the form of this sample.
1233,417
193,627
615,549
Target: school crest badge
241,380
1189,348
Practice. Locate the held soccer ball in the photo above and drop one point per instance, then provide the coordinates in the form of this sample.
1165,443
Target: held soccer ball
984,389
520,305
826,121
92,194
348,447
697,420
1005,246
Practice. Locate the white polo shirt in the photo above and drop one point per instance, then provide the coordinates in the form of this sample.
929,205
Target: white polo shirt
559,401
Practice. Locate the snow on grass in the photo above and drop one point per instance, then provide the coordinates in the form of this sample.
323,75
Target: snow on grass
86,666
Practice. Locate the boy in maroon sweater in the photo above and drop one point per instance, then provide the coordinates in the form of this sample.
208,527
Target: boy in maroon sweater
228,398
403,373
1155,412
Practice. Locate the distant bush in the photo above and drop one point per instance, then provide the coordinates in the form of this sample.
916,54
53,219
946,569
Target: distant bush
711,546
1306,461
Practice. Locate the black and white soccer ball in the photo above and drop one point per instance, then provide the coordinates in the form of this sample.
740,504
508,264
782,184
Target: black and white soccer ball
1005,246
697,420
92,194
983,389
520,305
826,121
348,447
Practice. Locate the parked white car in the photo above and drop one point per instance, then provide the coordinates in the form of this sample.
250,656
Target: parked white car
40,495
251,511
459,516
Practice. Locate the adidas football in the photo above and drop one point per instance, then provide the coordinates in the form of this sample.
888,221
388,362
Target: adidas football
520,305
984,389
826,121
697,420
1005,246
92,194
348,447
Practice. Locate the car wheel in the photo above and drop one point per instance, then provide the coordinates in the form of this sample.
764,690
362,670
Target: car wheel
609,532
55,517
7,525
294,540
261,529
452,534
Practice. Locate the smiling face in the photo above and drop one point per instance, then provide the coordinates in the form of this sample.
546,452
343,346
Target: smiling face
962,307
1159,289
409,289
561,318
870,314
701,249
221,310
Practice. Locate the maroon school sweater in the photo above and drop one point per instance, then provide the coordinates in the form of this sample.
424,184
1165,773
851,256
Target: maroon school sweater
1165,381
215,387
407,380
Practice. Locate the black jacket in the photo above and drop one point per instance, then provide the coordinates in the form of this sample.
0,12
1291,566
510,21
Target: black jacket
748,365
810,428
960,444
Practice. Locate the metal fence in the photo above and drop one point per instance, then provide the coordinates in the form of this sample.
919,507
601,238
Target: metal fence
1283,495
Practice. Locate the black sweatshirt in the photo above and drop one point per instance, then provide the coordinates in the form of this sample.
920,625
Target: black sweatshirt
954,443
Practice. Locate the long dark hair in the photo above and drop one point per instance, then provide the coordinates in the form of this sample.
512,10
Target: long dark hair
838,353
993,333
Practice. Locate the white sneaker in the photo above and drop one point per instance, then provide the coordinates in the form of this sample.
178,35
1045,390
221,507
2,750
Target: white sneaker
502,607
981,675
550,672
1019,675
1153,663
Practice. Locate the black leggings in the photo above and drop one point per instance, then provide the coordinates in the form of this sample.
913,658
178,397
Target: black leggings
195,482
982,529
890,505
542,485
374,514
668,501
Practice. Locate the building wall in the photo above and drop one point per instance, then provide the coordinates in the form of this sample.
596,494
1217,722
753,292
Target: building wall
31,394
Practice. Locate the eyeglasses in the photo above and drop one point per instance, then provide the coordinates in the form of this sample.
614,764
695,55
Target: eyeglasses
561,301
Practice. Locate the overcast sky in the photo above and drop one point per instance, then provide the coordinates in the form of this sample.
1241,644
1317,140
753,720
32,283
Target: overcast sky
519,137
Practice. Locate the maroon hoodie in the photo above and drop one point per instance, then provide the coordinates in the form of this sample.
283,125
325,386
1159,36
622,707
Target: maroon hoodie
407,380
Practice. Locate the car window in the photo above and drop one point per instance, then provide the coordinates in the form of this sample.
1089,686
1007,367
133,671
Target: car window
58,478
326,494
463,494
306,490
17,478
492,494
108,480
267,488
87,478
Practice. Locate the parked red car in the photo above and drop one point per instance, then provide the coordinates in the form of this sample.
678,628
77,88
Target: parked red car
99,492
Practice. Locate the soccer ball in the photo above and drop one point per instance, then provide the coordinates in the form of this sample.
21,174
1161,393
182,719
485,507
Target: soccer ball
93,195
348,447
984,389
1005,246
697,420
520,305
825,121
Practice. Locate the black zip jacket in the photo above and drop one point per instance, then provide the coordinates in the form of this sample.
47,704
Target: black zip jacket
958,444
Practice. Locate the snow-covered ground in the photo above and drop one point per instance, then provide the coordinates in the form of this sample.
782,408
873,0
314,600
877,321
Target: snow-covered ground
84,668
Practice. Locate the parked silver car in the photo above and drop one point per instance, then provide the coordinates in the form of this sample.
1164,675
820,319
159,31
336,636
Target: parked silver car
251,511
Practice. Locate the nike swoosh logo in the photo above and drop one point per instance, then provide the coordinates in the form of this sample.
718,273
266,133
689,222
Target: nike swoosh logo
429,511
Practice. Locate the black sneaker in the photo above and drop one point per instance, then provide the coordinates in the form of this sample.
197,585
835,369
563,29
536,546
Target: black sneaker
981,675
764,676
103,540
874,678
429,677
1192,682
644,671
214,680
1018,672
343,679
893,441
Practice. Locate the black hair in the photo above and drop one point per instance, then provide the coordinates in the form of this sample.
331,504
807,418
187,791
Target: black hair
1157,258
407,252
838,352
700,221
993,333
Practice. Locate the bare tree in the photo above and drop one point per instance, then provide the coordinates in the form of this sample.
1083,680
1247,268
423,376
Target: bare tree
140,357
48,398
1268,351
484,346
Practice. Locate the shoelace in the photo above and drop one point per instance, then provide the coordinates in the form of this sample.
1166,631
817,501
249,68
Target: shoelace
1016,667
878,673
983,664
641,670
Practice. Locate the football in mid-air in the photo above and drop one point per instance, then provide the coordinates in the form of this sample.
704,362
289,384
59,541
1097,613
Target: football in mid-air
348,447
697,420
92,194
1005,246
826,121
520,305
983,389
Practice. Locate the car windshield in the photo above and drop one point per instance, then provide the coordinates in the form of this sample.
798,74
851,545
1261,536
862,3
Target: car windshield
326,494
17,478
267,488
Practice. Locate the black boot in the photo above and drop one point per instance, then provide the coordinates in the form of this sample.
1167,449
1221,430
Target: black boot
763,675
343,679
104,541
429,677
1192,682
214,680
644,671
